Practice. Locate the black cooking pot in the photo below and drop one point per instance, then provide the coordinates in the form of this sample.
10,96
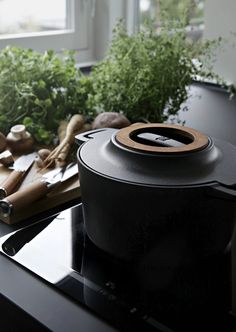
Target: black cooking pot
157,190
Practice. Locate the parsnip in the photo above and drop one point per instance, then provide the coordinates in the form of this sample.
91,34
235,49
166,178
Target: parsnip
61,159
66,136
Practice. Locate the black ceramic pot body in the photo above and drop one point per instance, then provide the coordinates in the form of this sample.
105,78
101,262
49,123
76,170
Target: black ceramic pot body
156,190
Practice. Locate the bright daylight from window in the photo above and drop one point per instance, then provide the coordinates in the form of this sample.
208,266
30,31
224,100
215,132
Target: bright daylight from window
150,9
27,16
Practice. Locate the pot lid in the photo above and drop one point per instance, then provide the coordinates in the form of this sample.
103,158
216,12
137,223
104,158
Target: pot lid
158,155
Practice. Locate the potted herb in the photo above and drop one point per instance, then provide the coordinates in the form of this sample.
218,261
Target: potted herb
146,75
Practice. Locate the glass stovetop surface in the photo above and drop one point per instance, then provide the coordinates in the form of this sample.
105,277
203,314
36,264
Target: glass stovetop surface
192,298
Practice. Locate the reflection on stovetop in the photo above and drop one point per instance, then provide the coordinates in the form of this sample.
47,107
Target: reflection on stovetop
139,295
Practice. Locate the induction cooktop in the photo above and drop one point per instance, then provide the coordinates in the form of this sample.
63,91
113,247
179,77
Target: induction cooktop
195,297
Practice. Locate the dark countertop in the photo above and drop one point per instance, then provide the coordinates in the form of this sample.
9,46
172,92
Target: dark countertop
32,300
42,302
28,303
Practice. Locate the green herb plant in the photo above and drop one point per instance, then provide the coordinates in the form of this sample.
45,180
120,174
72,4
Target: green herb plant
39,90
147,75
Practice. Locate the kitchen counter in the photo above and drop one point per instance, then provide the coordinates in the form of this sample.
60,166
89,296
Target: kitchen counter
41,307
28,303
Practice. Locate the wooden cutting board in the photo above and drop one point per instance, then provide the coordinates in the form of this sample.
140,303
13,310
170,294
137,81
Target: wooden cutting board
66,192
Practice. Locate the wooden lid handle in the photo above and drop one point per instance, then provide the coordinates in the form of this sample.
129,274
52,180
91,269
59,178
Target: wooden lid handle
188,139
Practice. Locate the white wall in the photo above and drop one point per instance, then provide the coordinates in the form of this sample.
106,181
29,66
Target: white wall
220,20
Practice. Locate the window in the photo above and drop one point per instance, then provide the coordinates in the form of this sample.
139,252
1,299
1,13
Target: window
31,16
150,9
48,24
84,25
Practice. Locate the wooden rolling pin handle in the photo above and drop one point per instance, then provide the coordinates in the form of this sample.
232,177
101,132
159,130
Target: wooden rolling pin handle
10,184
22,198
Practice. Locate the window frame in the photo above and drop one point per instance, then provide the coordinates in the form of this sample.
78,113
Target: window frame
75,37
82,33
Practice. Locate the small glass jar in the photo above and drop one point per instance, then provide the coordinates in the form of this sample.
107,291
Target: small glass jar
19,140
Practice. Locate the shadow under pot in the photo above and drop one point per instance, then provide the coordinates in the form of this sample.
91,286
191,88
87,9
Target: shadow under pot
157,190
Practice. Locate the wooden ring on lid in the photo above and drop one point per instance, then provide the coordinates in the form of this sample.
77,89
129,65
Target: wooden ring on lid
187,139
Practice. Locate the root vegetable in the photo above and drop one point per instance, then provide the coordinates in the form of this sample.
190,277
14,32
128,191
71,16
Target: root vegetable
6,158
41,157
61,159
38,162
44,153
110,120
66,133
